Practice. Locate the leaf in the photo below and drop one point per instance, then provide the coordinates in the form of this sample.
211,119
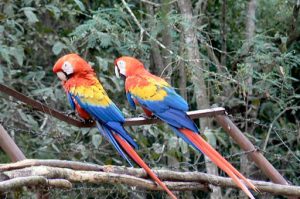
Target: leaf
1,28
183,146
1,73
96,140
55,148
173,143
105,39
28,11
18,53
57,47
157,148
80,5
5,54
103,63
55,10
28,119
44,91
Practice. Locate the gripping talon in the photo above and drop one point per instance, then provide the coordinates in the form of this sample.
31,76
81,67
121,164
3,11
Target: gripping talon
147,117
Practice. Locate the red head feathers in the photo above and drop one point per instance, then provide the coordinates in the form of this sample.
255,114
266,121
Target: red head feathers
128,66
71,65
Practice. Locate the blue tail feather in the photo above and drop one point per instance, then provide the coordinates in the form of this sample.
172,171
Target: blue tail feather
118,128
181,135
108,134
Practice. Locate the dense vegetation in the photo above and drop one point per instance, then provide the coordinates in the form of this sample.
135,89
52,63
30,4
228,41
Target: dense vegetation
250,69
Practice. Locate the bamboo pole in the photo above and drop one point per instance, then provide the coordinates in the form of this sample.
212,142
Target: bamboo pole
10,147
266,167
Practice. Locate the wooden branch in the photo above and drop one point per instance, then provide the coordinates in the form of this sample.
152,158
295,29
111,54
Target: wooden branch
41,107
39,181
101,177
52,163
9,146
59,183
178,181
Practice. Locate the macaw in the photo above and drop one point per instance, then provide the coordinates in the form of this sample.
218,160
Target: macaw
87,96
158,98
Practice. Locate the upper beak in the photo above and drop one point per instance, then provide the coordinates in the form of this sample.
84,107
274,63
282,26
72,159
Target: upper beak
62,76
117,71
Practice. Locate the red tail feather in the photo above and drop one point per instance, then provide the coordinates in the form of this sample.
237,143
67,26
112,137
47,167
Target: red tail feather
131,152
216,158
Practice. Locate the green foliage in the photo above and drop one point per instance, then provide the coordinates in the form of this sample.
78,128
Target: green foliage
34,34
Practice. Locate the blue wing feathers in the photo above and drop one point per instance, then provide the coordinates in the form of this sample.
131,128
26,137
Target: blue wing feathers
178,119
130,100
105,114
172,109
71,100
174,100
109,120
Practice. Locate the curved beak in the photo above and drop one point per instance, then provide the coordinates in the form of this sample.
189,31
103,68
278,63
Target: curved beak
62,76
117,72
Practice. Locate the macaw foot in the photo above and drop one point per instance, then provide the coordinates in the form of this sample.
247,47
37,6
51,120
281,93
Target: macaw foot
3,177
148,117
89,121
70,113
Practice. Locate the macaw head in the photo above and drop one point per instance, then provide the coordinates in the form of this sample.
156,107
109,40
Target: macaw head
127,66
71,65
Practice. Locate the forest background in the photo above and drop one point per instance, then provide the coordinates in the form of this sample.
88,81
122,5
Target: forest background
241,55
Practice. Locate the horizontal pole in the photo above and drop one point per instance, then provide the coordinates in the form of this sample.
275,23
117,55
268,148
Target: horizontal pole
192,114
128,122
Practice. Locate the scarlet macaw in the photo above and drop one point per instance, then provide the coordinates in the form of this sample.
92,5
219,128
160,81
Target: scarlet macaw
87,96
158,98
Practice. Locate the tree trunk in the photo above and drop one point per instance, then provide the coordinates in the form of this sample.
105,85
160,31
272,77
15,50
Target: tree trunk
250,32
196,66
156,61
182,72
223,33
166,38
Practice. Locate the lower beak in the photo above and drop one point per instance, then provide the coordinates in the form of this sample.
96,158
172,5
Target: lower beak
117,72
61,76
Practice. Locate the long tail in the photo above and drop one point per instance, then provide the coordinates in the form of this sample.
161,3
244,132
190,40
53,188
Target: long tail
216,158
131,152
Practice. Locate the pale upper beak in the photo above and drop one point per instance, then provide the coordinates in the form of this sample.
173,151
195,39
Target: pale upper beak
117,71
62,76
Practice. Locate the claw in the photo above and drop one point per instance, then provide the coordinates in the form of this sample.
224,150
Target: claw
89,121
147,117
70,113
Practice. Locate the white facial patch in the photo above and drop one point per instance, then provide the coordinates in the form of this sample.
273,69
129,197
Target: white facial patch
61,76
122,67
67,68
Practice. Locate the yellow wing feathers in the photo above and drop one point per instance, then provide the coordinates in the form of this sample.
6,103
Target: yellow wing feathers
93,94
150,89
150,92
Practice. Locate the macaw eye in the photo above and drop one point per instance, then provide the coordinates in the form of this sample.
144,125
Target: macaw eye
67,68
122,67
